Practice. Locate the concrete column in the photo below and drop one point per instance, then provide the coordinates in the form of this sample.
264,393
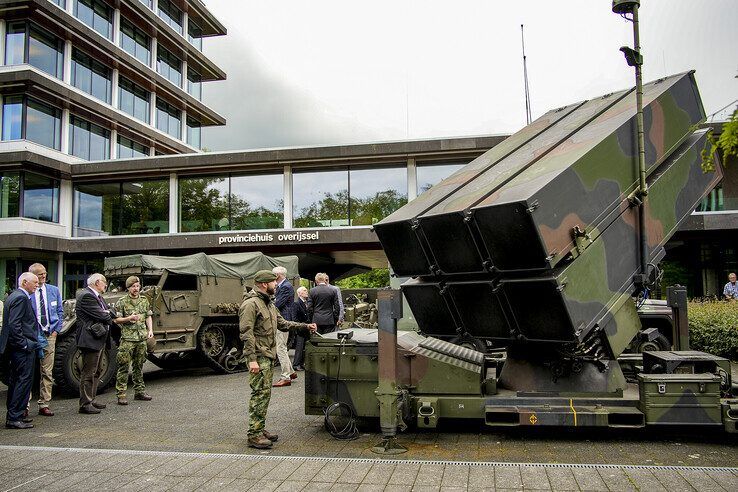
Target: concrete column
1,114
154,48
184,75
113,144
183,127
155,6
116,26
185,24
412,179
66,206
152,110
173,203
287,197
152,152
67,72
70,7
114,88
2,41
60,273
65,132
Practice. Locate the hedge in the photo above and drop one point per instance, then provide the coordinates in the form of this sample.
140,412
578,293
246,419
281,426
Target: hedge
713,327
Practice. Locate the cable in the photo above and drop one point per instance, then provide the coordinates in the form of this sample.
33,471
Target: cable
349,431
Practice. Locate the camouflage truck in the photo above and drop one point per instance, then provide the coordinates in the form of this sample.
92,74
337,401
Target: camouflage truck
195,301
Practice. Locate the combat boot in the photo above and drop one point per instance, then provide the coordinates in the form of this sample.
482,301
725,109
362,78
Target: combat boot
259,442
270,436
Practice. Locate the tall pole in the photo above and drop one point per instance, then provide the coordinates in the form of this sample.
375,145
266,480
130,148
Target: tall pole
528,117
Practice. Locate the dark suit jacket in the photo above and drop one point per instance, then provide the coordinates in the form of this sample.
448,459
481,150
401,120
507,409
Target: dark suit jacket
20,330
89,311
284,299
324,308
300,311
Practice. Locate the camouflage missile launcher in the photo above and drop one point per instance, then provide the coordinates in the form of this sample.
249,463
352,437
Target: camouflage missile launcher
195,300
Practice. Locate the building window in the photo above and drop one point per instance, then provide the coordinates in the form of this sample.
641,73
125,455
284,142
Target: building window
135,42
91,76
88,140
171,14
96,14
320,198
713,202
29,195
376,193
148,3
169,66
256,202
194,84
133,99
194,34
128,149
194,132
60,3
121,208
168,119
203,204
27,119
28,43
429,174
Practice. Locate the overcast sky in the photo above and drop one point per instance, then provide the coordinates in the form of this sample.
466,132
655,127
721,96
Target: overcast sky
328,72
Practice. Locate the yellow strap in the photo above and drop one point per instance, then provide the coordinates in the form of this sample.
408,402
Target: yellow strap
571,405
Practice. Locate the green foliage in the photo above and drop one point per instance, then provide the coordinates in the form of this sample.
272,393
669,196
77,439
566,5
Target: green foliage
333,209
727,143
373,279
713,328
674,272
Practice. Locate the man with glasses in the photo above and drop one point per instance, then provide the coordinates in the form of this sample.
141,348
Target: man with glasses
47,305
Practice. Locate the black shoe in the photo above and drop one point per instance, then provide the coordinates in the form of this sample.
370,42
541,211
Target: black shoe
27,420
99,406
142,397
298,368
17,424
89,409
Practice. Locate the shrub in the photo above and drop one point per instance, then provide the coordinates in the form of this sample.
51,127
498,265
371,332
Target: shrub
713,327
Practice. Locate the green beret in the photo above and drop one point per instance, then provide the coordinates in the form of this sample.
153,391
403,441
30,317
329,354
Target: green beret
132,280
264,276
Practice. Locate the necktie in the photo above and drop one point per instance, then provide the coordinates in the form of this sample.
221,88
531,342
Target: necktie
42,308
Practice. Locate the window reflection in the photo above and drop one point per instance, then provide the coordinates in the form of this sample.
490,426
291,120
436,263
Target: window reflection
169,66
133,99
9,194
40,197
42,122
168,118
432,174
257,202
203,204
134,41
96,14
128,149
376,193
45,50
171,14
194,132
91,76
129,207
194,84
88,140
194,34
320,199
714,201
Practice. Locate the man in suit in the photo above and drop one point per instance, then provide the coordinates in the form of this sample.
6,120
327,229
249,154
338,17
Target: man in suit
284,297
300,314
47,305
324,306
93,336
19,343
341,309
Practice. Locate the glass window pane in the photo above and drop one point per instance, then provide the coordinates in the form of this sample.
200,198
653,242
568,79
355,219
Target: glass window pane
43,124
171,15
194,132
127,148
168,118
45,52
13,118
376,193
96,14
320,199
257,202
40,197
91,76
135,42
432,174
133,99
9,193
203,204
96,209
88,141
194,84
194,34
15,40
144,207
169,66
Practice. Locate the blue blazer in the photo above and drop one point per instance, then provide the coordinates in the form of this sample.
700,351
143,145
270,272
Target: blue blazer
54,306
20,329
284,298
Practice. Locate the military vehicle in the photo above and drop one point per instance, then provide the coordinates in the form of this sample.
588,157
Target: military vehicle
195,302
544,245
359,312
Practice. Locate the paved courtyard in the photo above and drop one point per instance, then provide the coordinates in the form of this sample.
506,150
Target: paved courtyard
192,436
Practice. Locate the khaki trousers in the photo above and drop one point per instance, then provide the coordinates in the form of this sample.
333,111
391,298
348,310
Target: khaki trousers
90,376
284,359
47,369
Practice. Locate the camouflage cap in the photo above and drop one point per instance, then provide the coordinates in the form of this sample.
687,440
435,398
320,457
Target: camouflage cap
264,276
131,280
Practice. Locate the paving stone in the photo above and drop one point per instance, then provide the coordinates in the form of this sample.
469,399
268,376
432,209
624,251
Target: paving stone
20,476
370,487
283,469
238,485
238,468
259,470
317,486
404,474
172,465
354,473
397,488
291,486
191,483
534,478
379,474
455,476
429,475
151,483
481,477
726,479
344,487
645,479
700,480
508,477
589,479
561,479
216,483
616,479
306,471
332,470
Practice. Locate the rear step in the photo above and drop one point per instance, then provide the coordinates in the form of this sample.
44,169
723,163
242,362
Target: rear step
571,416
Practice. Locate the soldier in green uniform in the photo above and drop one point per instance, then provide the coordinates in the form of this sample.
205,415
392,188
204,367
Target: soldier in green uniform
258,321
132,350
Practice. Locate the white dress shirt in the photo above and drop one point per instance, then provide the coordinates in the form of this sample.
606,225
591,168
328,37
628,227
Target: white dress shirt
37,295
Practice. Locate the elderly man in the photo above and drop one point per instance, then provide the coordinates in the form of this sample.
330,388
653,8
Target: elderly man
132,349
47,304
93,336
730,291
323,306
283,300
300,314
19,343
341,309
259,320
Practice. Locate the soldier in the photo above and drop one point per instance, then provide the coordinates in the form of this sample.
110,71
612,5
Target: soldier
258,321
133,338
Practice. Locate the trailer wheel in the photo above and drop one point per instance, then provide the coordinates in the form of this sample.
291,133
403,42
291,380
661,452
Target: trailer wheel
68,365
470,342
657,344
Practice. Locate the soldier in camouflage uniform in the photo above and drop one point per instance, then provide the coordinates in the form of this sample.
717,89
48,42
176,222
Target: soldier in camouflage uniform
132,350
258,320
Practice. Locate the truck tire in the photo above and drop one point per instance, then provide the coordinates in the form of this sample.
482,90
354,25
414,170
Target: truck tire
470,342
658,343
68,365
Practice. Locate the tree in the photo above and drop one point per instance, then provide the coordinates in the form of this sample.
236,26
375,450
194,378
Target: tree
727,144
373,279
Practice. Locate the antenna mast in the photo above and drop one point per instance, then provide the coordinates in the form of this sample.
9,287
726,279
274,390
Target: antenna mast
528,117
